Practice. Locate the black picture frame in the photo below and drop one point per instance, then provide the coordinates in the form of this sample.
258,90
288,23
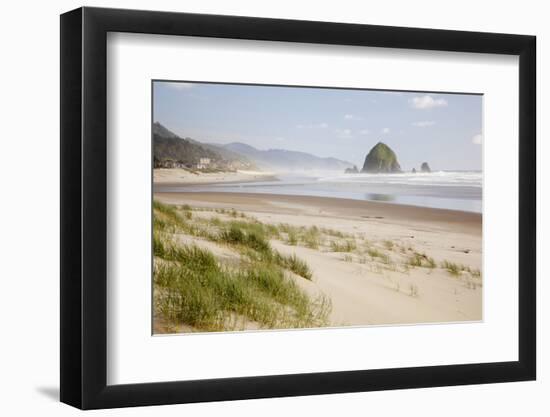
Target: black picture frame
84,207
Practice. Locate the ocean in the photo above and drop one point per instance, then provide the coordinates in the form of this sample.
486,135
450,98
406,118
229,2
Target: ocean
455,190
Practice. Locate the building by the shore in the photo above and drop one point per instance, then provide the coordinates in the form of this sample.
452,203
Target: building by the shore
203,163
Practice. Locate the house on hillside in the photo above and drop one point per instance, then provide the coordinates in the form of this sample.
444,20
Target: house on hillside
203,163
170,163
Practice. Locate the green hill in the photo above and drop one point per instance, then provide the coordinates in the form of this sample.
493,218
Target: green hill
171,151
381,159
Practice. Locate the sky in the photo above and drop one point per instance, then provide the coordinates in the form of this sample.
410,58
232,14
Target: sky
444,130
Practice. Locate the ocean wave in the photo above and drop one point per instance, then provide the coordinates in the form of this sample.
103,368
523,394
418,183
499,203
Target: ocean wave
438,178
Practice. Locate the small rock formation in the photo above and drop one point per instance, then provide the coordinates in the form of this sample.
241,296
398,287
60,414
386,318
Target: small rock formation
353,170
414,171
425,167
381,159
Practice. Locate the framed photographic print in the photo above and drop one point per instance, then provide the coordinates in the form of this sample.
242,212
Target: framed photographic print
257,207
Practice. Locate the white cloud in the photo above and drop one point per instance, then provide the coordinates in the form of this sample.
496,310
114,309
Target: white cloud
313,126
427,102
424,123
386,130
477,139
364,132
352,117
180,86
344,133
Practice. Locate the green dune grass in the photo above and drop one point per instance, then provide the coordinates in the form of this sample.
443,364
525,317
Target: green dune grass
194,288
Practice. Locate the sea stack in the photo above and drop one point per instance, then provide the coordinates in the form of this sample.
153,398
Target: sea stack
425,167
381,159
353,170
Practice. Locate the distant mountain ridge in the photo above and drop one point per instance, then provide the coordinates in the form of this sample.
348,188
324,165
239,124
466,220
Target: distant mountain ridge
173,151
287,160
169,150
160,130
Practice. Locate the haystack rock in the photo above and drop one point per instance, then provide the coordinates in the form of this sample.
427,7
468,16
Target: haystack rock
381,159
425,167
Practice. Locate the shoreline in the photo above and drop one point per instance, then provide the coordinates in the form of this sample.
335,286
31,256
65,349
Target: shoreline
179,177
462,198
329,206
160,186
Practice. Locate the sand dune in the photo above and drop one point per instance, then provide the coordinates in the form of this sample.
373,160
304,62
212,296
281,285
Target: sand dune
366,290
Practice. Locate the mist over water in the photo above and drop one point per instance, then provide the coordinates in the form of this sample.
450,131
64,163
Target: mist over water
458,190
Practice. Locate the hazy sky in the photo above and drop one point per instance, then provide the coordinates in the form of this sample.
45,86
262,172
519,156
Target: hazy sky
441,129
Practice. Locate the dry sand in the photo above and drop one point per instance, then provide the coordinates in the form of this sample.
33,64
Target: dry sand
178,176
368,292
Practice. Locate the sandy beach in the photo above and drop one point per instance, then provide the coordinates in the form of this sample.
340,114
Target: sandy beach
397,271
177,176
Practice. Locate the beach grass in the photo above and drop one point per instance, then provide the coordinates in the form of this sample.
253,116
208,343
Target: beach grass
312,237
375,253
249,235
347,245
476,273
456,269
451,267
294,264
292,238
418,259
195,288
388,244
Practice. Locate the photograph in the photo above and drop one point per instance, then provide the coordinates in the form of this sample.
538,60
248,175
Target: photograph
298,207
